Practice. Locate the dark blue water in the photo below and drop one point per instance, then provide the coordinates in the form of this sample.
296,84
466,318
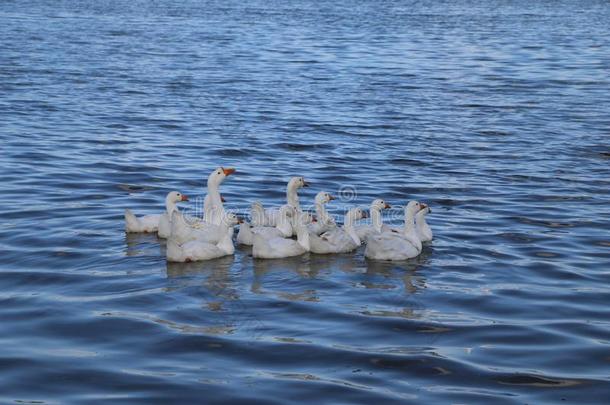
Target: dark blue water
495,113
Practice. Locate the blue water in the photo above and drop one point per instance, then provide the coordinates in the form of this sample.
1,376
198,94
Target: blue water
494,113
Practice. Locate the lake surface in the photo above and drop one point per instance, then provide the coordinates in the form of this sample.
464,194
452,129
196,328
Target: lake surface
495,113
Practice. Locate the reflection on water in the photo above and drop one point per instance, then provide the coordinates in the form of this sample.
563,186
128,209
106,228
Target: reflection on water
138,244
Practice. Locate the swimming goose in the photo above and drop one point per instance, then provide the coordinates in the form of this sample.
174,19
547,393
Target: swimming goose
196,250
283,229
278,247
153,222
376,220
170,205
421,226
396,245
270,217
213,210
324,222
408,231
341,239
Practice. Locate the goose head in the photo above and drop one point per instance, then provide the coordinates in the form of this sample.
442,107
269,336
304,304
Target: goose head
218,175
323,197
296,183
176,197
353,215
412,208
231,219
172,198
424,210
379,205
359,213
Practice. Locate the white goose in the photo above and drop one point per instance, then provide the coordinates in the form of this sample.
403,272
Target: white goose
283,229
376,220
170,205
409,231
154,222
324,222
397,245
269,217
210,229
213,210
421,226
196,250
341,239
278,247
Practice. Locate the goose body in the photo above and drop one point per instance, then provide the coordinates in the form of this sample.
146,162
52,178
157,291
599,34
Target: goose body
280,247
183,230
340,239
197,249
389,246
145,223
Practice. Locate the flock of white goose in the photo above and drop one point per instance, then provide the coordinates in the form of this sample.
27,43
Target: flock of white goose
271,231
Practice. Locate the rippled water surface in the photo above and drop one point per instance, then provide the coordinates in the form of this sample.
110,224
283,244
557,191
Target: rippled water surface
495,113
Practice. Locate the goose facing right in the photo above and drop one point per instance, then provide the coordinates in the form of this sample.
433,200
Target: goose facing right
269,217
151,223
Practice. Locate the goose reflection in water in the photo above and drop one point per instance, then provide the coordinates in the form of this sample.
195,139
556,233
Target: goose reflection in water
225,309
216,273
138,244
404,270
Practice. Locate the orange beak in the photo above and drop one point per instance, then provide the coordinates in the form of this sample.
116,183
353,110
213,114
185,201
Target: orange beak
423,206
387,206
222,199
240,220
228,171
184,198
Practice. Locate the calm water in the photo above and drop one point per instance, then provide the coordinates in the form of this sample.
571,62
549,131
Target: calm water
495,113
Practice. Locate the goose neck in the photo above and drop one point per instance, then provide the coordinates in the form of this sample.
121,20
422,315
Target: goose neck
376,219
